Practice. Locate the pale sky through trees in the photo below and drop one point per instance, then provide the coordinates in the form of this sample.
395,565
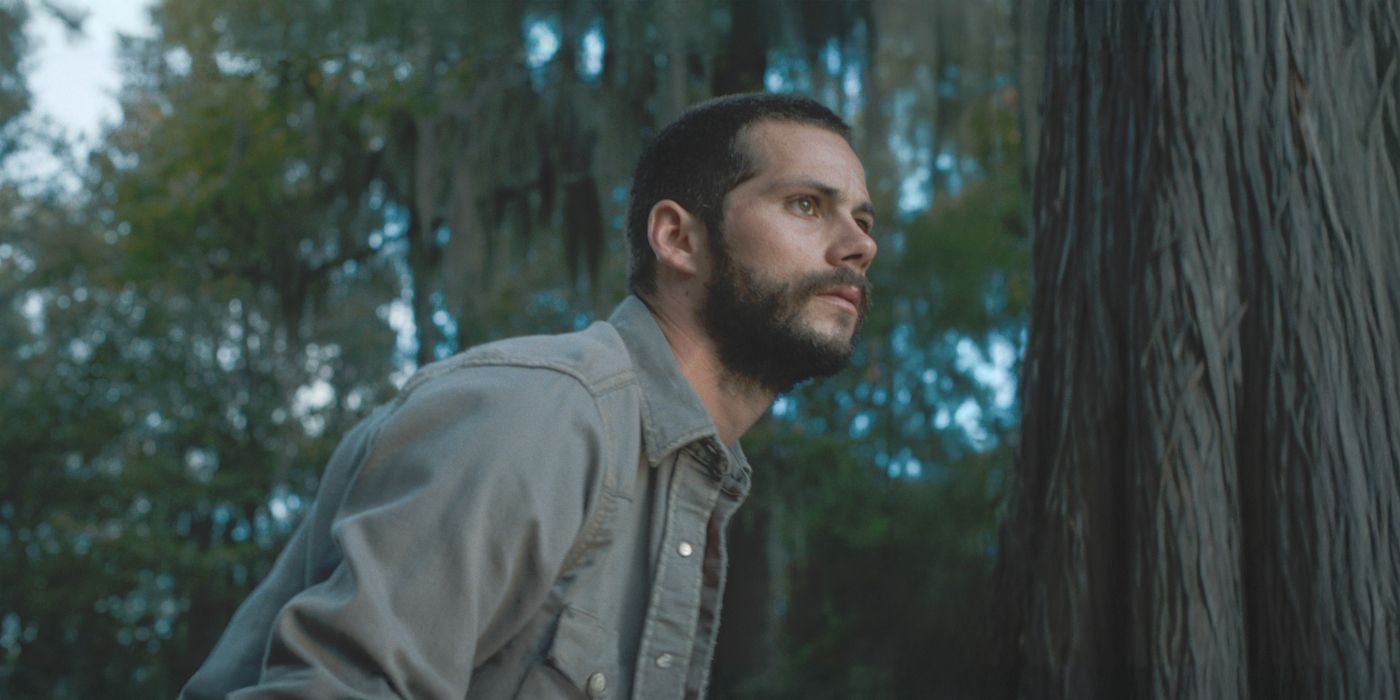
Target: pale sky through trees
74,78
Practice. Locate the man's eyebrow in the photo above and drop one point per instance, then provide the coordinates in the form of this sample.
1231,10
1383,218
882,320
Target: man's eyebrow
826,190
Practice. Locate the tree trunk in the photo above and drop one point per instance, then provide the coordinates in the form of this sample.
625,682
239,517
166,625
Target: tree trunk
1028,32
744,60
1206,501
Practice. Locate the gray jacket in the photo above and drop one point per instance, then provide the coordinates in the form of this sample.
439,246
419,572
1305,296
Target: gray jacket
540,517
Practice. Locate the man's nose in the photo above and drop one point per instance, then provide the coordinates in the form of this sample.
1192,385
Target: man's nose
855,247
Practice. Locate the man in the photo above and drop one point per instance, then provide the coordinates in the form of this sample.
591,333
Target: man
544,517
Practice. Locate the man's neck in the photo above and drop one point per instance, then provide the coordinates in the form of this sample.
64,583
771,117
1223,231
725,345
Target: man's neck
733,404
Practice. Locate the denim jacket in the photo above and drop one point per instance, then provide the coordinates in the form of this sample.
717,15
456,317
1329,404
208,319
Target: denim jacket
540,517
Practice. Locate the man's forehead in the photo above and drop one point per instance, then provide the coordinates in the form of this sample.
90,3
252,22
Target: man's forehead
783,151
759,137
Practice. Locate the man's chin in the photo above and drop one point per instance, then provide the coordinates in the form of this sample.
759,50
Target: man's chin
778,361
831,330
827,345
776,345
837,345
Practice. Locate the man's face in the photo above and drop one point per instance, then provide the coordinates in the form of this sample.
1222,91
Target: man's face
787,291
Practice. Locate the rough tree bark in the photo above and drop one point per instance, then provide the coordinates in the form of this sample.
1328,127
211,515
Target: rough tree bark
1206,502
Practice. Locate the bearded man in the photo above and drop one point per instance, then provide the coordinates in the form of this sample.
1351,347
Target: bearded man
544,517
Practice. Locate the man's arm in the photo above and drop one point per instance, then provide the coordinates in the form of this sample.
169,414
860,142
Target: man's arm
452,534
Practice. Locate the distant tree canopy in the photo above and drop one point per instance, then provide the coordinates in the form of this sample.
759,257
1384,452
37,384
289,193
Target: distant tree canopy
303,201
14,93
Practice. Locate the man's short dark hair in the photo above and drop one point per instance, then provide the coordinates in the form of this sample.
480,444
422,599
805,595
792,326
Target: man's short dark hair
698,159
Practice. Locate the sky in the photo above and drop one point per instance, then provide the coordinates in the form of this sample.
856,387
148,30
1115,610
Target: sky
74,79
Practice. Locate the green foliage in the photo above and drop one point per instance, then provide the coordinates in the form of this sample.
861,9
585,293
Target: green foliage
122,396
887,578
14,94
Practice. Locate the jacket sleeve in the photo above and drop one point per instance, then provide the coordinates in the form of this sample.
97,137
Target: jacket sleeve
452,532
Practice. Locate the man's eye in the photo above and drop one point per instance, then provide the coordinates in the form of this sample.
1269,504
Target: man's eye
805,204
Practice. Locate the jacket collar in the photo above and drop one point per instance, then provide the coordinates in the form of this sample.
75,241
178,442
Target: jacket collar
672,414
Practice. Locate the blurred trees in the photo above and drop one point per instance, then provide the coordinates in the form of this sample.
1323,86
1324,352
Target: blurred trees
1205,502
14,93
305,200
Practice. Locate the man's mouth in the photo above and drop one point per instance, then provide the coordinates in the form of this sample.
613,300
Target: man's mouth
845,296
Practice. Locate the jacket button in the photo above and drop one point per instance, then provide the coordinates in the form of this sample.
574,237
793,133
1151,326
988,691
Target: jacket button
597,685
685,549
665,661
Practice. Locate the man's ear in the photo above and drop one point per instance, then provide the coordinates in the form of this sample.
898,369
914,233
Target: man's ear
676,237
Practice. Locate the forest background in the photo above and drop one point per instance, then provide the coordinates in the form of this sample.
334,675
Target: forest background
1194,493
303,201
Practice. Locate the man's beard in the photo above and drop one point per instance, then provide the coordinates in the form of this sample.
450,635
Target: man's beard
757,325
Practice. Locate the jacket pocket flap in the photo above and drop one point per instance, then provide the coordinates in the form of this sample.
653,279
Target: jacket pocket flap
585,652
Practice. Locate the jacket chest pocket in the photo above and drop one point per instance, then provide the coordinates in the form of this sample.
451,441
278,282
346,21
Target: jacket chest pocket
582,661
